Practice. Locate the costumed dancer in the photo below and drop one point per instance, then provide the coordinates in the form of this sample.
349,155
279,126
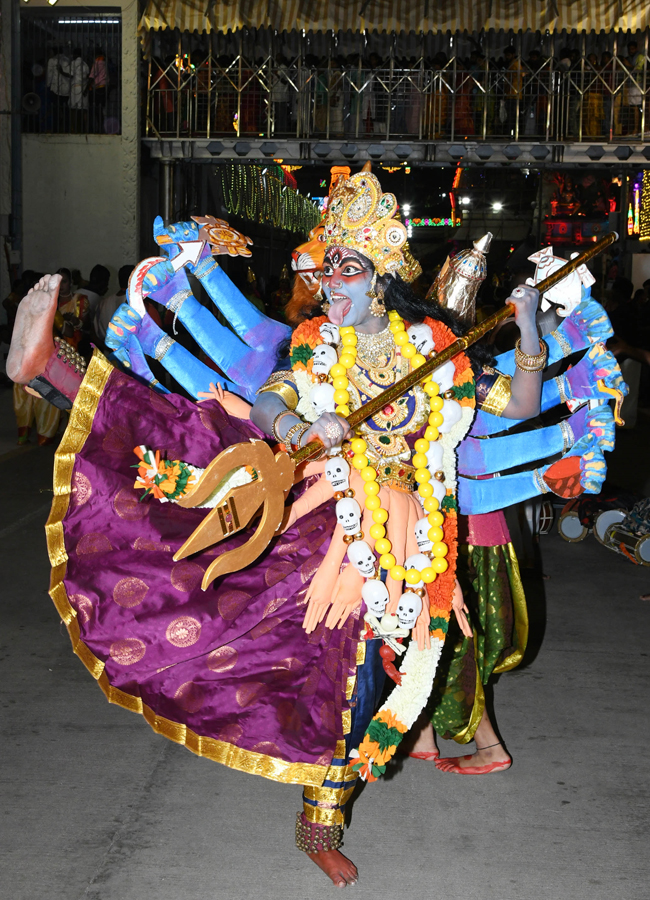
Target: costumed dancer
267,670
273,669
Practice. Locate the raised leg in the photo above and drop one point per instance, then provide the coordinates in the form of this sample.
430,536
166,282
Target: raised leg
31,343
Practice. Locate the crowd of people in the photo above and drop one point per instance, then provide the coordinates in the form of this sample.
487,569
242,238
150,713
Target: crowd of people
566,95
78,92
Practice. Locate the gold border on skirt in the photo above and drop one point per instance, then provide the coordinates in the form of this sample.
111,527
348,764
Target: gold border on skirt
74,438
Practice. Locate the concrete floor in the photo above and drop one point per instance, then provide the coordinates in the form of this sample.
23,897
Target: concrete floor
98,807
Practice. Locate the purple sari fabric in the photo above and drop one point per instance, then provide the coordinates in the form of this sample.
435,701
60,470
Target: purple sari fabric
232,663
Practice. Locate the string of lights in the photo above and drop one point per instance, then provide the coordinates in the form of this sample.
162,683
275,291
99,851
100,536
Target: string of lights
259,195
644,207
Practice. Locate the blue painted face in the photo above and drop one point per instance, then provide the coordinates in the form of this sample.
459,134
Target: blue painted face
347,277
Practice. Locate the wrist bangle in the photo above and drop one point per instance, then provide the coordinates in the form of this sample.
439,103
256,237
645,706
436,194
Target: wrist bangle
297,437
276,423
288,438
529,362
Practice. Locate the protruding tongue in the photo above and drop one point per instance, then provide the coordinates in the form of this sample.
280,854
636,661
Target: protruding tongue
339,310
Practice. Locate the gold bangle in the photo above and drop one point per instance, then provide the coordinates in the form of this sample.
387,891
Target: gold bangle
276,422
529,362
294,428
295,441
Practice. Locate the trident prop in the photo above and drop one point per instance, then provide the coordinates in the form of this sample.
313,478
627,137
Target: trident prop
275,472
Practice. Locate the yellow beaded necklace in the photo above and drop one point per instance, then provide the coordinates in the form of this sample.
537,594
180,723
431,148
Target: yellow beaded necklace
435,518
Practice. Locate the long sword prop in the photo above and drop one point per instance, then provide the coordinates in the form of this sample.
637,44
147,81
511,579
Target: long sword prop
275,472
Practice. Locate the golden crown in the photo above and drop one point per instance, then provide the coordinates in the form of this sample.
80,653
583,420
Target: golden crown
362,217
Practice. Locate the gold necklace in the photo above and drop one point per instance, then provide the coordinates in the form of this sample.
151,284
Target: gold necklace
376,349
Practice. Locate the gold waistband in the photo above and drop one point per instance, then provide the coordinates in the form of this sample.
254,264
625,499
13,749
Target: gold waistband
396,475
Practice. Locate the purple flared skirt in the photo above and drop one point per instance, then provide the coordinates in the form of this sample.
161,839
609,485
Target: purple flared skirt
229,671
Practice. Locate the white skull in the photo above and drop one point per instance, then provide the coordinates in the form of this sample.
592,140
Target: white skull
362,558
418,561
337,472
375,595
421,337
434,456
348,515
329,333
322,398
451,414
422,535
324,358
444,376
408,609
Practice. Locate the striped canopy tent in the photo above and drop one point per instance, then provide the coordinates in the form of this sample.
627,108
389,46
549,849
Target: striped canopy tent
419,16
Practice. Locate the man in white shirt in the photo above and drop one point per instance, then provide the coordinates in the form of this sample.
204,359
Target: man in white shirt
58,90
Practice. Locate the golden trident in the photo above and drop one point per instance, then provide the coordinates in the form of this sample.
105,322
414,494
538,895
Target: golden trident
275,472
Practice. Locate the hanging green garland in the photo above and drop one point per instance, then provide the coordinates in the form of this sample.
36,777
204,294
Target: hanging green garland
259,195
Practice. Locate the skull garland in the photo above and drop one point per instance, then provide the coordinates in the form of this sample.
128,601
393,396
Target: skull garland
417,561
324,358
375,596
321,397
444,376
362,558
337,472
348,515
421,337
422,527
329,333
451,413
408,609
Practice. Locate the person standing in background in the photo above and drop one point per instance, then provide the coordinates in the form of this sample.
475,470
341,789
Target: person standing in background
99,81
58,90
79,72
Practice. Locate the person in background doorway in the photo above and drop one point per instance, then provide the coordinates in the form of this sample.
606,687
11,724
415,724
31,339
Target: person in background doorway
58,90
79,72
99,81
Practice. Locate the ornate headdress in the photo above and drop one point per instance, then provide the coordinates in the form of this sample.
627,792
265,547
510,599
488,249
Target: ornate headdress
363,218
457,283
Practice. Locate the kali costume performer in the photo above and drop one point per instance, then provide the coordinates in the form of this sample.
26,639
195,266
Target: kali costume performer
273,669
497,641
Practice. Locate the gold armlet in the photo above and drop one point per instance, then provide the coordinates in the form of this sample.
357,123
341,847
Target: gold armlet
498,396
285,392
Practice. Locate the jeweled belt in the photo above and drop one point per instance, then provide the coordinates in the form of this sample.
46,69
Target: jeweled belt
396,475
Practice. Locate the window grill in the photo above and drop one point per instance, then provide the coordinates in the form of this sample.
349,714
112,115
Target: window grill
71,63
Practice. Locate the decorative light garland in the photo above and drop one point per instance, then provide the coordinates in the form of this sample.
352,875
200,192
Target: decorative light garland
257,194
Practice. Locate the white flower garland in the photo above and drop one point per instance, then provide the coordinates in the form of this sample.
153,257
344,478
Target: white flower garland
418,670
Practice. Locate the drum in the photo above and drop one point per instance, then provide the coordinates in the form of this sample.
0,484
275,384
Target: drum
603,521
635,547
570,527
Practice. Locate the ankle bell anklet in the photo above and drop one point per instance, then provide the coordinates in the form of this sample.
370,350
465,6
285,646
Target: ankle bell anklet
312,837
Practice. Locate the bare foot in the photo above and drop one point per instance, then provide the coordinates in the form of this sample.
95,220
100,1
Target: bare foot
31,341
485,761
425,745
336,866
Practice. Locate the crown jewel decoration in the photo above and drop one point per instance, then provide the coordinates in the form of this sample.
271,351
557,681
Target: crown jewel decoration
360,216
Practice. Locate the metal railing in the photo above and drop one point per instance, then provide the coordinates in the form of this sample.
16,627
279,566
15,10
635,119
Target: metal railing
575,97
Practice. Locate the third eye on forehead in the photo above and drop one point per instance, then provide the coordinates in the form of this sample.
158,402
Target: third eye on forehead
337,256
